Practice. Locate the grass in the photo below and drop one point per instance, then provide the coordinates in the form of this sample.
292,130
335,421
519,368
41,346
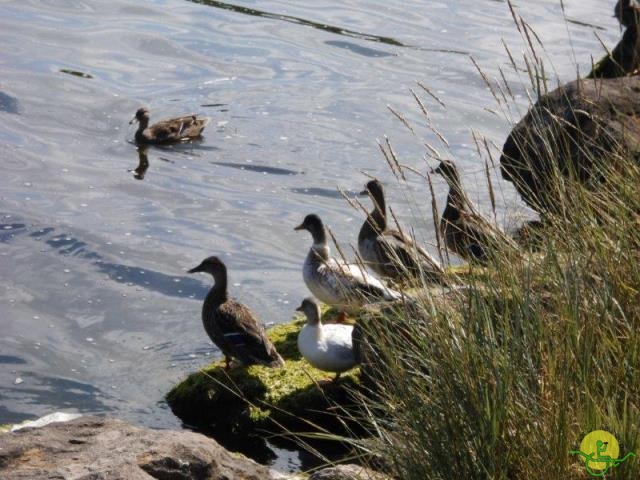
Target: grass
502,379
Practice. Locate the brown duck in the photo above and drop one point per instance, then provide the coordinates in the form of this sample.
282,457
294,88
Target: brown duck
466,232
167,131
231,325
625,57
389,252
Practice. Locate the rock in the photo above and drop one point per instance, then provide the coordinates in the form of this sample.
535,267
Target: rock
92,448
571,130
348,472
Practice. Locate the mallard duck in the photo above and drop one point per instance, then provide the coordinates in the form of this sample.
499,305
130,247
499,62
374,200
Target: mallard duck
389,252
466,232
167,131
624,59
231,325
346,286
326,347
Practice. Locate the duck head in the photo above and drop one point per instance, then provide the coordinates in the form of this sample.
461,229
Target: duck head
627,12
314,225
141,116
311,309
212,265
378,217
449,171
374,189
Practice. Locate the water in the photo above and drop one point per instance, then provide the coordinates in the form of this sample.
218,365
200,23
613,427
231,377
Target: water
96,311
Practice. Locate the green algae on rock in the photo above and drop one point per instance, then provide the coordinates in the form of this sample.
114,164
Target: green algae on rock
244,399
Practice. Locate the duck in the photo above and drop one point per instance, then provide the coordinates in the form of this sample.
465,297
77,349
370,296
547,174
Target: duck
342,285
465,232
232,326
172,130
624,59
326,347
388,252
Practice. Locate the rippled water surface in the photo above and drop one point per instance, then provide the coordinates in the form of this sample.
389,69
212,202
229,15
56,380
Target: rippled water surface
97,313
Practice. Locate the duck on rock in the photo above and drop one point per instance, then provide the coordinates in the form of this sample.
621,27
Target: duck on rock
231,325
624,59
467,233
389,252
343,285
167,131
326,347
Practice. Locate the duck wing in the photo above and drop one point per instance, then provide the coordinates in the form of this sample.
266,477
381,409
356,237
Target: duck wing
401,248
353,279
483,235
179,128
244,336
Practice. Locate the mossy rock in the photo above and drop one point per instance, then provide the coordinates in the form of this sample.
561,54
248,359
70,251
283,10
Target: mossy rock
295,398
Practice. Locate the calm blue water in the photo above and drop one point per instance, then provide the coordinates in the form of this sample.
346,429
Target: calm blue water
96,311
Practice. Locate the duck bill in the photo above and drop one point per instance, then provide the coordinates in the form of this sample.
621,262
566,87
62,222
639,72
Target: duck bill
364,193
134,119
195,269
299,309
300,227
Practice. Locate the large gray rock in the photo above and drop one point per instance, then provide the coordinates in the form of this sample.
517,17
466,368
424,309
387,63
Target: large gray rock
569,131
92,448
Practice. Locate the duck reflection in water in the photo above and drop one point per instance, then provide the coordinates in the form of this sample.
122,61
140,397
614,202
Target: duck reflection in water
143,164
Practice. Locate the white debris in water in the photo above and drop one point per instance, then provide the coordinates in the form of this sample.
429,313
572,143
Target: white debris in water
18,381
56,417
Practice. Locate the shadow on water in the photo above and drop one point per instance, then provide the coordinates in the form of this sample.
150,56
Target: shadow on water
11,360
45,390
322,192
68,245
300,21
169,285
75,73
9,104
259,168
359,49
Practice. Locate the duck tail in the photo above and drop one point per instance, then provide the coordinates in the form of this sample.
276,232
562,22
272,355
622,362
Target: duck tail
276,361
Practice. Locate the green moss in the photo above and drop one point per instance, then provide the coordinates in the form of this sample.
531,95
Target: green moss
242,399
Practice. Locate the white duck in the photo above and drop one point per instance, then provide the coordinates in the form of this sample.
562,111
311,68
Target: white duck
343,285
326,347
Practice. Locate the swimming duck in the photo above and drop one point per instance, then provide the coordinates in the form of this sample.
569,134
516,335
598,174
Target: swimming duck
167,131
326,347
466,232
624,59
231,325
389,252
346,286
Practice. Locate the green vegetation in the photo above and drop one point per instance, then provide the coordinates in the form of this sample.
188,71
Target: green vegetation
243,400
504,378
